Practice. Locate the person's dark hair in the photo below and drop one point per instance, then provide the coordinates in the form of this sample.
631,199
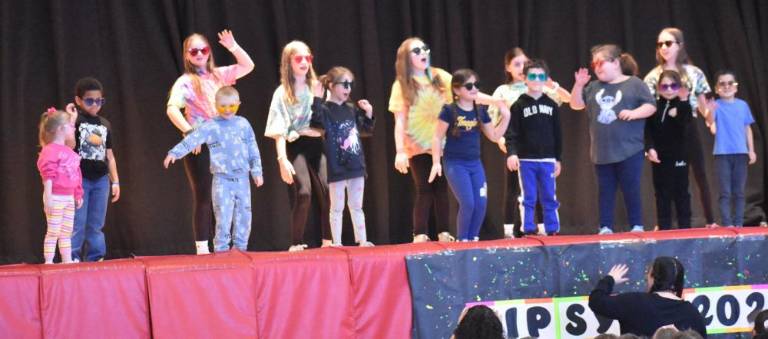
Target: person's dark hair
761,322
480,322
459,77
514,52
87,84
606,336
536,63
668,275
688,334
629,336
724,72
613,52
674,75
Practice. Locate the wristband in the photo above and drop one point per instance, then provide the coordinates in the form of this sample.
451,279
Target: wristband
116,183
234,48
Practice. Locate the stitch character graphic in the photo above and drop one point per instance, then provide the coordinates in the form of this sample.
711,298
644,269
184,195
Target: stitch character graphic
607,114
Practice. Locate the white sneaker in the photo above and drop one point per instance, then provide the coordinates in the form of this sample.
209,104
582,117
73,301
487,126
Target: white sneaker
445,237
297,248
420,238
367,244
637,229
605,230
202,247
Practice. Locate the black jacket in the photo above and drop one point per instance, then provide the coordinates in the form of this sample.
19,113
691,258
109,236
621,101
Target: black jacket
534,128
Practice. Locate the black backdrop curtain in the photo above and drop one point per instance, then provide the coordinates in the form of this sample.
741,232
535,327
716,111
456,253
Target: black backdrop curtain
133,47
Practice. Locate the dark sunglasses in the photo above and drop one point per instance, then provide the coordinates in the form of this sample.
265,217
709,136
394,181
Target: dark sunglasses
727,83
669,87
194,51
599,63
667,43
298,58
94,101
470,85
419,50
346,84
539,77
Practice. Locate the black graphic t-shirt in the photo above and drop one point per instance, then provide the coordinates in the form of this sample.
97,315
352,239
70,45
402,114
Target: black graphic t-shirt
343,125
93,137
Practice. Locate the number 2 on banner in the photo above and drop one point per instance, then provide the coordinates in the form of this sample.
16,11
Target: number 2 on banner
725,310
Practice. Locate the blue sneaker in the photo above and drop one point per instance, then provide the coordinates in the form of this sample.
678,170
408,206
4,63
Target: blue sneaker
637,229
605,230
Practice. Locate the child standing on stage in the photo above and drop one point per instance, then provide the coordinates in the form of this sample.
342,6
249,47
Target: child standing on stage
299,148
59,168
460,124
345,162
93,142
534,146
234,155
617,105
734,146
665,144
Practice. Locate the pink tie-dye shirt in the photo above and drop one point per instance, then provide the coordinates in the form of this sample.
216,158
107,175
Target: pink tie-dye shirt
201,107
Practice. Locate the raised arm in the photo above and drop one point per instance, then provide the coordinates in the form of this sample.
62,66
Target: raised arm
244,63
581,78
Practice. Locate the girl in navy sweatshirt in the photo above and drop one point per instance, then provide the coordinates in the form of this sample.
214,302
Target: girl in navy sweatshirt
343,123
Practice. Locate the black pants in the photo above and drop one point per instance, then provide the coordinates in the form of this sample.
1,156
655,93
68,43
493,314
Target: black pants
428,195
670,181
308,160
512,202
698,166
198,172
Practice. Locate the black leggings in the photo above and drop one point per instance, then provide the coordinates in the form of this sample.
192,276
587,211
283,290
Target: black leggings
200,180
308,160
698,166
428,195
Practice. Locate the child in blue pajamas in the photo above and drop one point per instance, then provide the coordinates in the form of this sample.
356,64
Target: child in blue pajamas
534,145
234,155
460,124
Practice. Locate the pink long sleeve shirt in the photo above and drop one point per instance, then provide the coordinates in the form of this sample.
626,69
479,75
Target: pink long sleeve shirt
61,165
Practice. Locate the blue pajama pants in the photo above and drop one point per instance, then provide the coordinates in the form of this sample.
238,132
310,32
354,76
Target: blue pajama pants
537,181
231,203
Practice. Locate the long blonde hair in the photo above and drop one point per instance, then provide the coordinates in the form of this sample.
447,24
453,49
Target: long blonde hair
190,69
404,72
286,72
50,121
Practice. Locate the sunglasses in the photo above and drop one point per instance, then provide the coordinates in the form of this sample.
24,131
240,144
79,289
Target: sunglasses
599,63
297,58
418,50
537,76
727,84
227,108
470,85
667,43
347,84
194,51
669,87
94,101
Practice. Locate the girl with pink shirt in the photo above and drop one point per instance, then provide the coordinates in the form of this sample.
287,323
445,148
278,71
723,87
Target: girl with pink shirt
59,168
194,91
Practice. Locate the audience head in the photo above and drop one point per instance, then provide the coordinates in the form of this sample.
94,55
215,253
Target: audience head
479,322
666,274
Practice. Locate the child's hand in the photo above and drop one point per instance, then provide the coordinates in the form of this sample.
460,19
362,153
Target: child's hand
683,93
169,160
258,181
437,171
115,192
401,162
672,112
752,157
72,110
502,144
627,115
286,171
581,77
310,132
227,39
78,203
711,106
558,168
653,156
366,106
618,273
513,163
47,204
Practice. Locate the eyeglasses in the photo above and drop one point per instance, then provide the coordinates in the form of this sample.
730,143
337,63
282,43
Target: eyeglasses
194,51
227,108
418,50
537,76
599,63
727,84
347,84
470,85
667,43
670,87
297,58
94,101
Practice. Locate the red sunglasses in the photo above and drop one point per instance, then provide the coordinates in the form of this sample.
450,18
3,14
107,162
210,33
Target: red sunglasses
599,63
194,51
298,58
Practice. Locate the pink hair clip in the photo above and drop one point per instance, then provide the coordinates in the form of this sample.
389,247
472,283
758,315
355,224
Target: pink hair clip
51,110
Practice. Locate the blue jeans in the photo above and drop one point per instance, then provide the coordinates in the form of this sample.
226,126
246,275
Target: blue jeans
89,220
627,174
732,176
232,203
537,180
467,181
